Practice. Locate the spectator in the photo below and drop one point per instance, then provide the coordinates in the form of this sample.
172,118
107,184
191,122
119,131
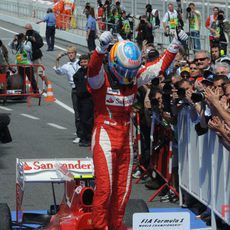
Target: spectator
116,14
101,17
152,16
69,69
203,61
222,68
215,52
91,30
144,31
85,103
124,28
222,37
155,21
108,14
195,73
87,9
3,57
23,59
211,25
194,19
50,28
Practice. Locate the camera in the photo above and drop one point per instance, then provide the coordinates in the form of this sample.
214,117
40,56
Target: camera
220,17
29,38
188,9
181,93
155,82
148,8
197,97
142,21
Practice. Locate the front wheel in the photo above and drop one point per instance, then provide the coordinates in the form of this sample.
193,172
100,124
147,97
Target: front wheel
5,217
134,206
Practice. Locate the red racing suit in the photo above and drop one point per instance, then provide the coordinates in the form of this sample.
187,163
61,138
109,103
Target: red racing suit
112,139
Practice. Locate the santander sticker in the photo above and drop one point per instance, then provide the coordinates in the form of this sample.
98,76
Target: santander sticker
36,166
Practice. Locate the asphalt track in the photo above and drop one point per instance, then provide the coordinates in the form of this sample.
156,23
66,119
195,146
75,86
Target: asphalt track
44,131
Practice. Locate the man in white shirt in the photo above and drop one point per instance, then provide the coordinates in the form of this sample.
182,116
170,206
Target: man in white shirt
69,69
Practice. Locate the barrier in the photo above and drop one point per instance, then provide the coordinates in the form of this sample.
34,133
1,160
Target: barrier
161,155
22,81
204,168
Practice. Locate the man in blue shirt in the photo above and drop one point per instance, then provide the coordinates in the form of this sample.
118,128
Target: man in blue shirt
91,30
50,28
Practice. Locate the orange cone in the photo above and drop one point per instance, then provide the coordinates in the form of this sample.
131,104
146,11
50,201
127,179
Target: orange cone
50,96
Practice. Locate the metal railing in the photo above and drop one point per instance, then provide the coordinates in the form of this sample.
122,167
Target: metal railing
76,23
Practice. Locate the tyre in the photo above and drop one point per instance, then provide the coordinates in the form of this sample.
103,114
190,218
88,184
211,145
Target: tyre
15,82
134,206
5,220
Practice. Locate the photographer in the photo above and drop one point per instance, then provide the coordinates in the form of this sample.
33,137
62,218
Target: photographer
124,28
152,16
144,31
37,43
222,39
194,19
23,59
171,20
211,25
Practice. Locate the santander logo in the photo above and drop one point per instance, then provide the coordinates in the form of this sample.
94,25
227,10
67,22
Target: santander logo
35,166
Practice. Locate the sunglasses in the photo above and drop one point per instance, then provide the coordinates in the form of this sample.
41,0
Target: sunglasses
200,59
193,68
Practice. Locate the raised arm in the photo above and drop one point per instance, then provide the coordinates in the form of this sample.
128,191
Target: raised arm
95,72
153,69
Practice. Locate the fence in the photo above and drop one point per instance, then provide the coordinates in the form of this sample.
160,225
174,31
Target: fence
204,168
36,11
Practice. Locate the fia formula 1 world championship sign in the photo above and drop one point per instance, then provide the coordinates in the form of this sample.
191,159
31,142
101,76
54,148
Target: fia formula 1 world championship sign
161,221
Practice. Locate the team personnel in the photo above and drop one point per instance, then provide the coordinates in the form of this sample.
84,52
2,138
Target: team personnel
91,30
50,28
69,69
113,88
85,102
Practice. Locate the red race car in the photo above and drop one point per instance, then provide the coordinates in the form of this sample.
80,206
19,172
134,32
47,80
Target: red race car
74,212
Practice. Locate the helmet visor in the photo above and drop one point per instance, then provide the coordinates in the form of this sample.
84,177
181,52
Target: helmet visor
126,76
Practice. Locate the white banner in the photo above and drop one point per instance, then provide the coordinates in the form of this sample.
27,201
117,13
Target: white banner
161,221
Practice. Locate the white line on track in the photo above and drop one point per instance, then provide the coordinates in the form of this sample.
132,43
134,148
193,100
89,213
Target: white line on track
4,108
29,116
63,105
56,126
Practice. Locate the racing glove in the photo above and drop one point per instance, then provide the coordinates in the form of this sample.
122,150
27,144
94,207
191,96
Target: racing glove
180,39
105,39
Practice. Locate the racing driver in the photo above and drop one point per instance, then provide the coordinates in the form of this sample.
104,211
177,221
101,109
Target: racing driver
113,87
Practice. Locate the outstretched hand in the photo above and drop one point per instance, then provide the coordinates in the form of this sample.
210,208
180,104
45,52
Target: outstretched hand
181,35
105,39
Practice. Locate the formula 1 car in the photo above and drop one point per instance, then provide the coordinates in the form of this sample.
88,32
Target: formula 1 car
75,210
